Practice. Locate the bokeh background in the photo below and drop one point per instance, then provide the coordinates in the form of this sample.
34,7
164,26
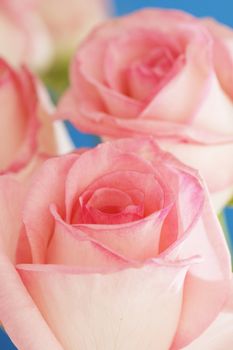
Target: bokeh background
220,10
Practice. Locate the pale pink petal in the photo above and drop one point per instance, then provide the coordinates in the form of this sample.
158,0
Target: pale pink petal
117,104
12,118
73,20
159,128
207,283
18,102
110,160
155,195
219,335
137,240
69,247
182,96
213,161
32,43
11,199
137,45
129,309
88,119
223,52
108,205
18,311
95,93
47,187
215,113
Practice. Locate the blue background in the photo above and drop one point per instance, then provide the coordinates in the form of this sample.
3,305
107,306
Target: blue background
221,10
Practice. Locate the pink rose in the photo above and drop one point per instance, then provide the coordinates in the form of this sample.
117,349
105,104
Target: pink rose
162,73
25,125
69,21
115,248
23,36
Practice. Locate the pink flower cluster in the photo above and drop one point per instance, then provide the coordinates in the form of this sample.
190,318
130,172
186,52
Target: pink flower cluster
117,247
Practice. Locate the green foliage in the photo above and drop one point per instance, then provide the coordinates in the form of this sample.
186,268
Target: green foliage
57,77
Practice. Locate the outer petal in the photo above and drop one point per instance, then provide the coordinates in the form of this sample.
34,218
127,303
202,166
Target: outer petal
219,335
88,120
32,43
127,310
215,113
19,103
73,20
207,284
11,199
208,159
47,187
17,311
223,52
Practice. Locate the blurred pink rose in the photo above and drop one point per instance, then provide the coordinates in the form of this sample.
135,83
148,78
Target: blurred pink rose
69,21
116,248
32,31
25,125
23,36
162,73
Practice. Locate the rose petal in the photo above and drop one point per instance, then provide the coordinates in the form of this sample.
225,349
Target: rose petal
205,158
155,195
11,199
108,205
223,52
136,45
19,115
12,118
110,159
207,283
137,240
192,80
17,311
83,252
219,335
112,101
47,187
216,111
13,295
77,306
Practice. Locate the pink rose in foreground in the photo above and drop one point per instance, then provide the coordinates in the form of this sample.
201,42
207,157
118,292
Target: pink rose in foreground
23,36
116,248
25,125
69,21
162,73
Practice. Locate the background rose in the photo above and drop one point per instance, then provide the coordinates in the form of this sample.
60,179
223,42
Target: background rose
42,28
23,36
25,124
69,21
118,247
163,73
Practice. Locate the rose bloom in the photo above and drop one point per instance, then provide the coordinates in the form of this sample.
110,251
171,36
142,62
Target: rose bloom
114,248
23,36
25,124
162,73
40,28
69,21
